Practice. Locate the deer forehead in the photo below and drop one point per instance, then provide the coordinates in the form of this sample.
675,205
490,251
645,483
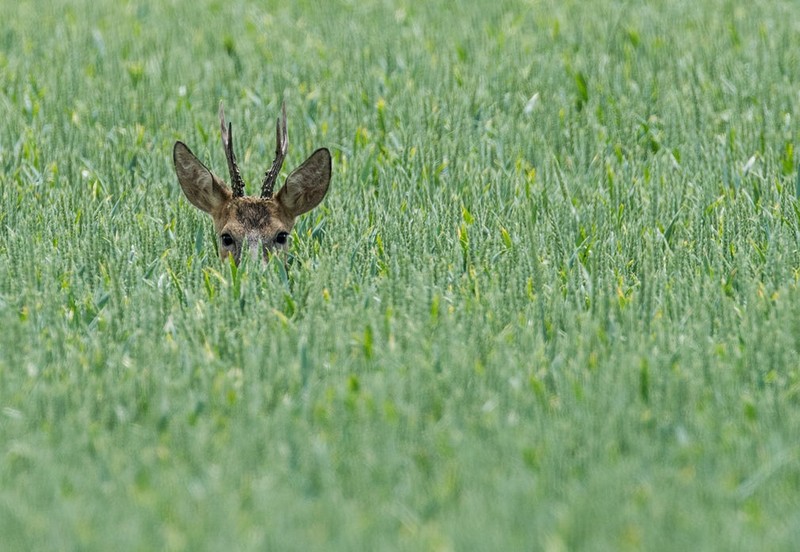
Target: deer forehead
252,216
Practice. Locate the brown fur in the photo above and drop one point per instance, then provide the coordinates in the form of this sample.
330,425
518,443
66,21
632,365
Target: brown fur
251,220
258,223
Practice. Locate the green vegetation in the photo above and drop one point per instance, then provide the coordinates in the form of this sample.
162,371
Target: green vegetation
551,301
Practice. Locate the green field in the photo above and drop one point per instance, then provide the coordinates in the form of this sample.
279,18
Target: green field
551,301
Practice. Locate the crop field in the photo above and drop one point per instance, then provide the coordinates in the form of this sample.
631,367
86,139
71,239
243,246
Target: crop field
550,302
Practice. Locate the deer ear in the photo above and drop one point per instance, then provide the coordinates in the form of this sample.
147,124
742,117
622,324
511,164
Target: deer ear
307,184
203,190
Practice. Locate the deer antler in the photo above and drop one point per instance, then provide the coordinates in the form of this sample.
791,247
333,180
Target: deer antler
227,142
281,147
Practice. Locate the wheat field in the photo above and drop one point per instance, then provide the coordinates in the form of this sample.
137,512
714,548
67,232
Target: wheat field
550,301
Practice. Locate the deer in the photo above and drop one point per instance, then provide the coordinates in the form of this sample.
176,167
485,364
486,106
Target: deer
261,224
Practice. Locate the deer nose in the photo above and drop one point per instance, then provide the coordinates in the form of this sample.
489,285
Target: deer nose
254,248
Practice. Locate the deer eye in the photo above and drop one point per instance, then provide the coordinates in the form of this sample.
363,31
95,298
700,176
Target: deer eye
226,239
281,238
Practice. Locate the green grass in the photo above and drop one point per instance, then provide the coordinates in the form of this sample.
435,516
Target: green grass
562,323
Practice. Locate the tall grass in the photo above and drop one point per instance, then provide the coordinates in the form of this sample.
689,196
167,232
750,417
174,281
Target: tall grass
550,302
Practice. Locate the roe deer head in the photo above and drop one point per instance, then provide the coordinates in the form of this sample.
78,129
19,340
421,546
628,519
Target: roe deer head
261,224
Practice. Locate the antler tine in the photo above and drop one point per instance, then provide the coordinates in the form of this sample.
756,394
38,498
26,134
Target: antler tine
281,147
227,143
